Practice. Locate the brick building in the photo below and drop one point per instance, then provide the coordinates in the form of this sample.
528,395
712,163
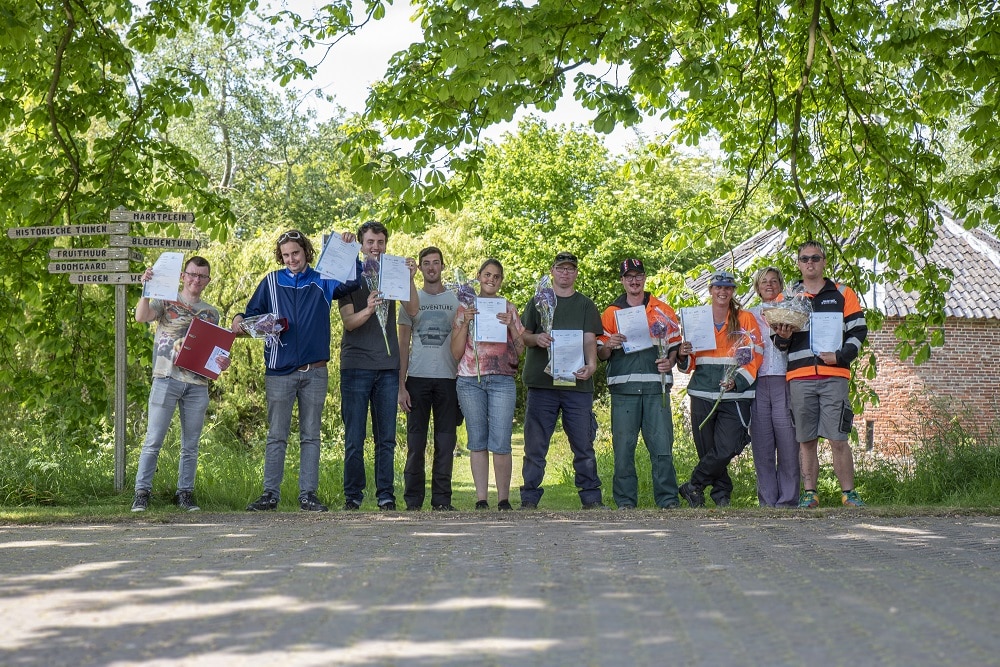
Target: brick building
960,383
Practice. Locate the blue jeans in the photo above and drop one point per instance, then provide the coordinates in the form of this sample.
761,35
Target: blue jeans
309,389
488,406
359,390
165,395
580,426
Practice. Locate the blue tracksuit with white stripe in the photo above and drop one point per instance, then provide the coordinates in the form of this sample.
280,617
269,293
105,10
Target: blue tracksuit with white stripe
305,300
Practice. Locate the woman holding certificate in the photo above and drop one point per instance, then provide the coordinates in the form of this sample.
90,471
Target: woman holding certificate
721,349
486,339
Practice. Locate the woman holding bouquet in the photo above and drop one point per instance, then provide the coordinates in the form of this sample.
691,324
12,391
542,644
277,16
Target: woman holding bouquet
775,450
721,388
486,389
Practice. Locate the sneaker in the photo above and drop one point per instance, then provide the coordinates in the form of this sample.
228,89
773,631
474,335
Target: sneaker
185,500
625,508
141,501
851,499
671,505
266,503
351,506
722,502
596,505
504,506
388,507
809,500
693,495
310,503
527,505
413,508
444,508
484,505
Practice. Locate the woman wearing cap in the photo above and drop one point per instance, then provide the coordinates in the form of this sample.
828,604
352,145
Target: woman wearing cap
775,450
486,390
721,389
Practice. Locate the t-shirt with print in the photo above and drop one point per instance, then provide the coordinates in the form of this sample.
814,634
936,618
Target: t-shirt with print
430,338
172,321
494,358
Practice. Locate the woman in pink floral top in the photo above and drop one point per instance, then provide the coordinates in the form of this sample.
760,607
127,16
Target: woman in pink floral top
486,389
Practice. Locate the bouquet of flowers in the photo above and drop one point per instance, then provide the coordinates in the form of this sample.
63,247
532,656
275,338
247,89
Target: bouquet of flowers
466,294
372,275
794,308
267,326
545,304
661,330
740,353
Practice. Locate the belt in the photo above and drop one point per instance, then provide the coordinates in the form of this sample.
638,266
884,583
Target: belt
315,364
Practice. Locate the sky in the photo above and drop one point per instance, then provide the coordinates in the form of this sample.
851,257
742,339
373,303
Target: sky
358,61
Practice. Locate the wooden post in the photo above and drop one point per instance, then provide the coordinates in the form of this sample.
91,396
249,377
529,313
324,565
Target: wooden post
121,395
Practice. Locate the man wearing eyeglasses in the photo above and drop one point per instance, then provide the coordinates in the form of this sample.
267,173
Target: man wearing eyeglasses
175,387
369,378
819,373
637,380
296,366
574,397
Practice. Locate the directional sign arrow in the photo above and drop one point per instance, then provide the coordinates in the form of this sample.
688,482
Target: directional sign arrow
67,230
121,215
88,267
95,253
105,278
148,242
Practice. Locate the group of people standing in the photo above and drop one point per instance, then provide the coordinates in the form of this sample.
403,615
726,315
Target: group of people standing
423,360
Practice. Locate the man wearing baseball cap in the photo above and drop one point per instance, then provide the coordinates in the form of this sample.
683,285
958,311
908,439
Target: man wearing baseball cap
639,381
574,397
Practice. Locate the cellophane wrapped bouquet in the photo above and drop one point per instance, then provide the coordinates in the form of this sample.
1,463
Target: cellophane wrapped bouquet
466,295
267,326
793,308
372,275
545,304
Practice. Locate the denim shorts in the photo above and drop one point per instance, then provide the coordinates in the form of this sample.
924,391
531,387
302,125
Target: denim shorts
488,405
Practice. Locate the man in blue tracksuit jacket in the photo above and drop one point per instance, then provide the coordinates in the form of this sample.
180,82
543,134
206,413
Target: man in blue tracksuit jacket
296,367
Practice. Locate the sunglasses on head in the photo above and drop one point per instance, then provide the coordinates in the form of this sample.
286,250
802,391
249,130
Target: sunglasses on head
289,236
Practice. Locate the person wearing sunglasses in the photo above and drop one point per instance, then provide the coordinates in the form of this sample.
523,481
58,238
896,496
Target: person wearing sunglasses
819,373
296,367
175,387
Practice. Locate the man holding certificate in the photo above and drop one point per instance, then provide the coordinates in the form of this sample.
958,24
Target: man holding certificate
559,366
819,373
175,387
639,379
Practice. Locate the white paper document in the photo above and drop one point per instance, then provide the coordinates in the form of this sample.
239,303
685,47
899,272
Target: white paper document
826,332
166,275
339,260
633,325
394,278
488,328
213,360
567,355
698,327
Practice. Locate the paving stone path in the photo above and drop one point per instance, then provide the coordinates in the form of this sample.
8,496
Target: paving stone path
580,588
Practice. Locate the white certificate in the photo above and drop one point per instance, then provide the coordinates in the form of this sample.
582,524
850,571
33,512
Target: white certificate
339,260
699,327
567,355
394,278
488,328
826,332
633,325
166,275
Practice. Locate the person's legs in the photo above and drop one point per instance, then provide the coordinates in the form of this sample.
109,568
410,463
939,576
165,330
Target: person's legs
193,404
626,413
473,398
836,419
313,387
503,467
281,391
580,425
658,434
163,397
762,441
383,406
417,422
355,389
787,447
540,414
843,463
501,396
728,437
445,409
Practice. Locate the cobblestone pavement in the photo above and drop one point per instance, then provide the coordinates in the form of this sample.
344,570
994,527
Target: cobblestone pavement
583,588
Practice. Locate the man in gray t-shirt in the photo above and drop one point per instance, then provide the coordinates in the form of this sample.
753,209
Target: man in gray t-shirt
427,386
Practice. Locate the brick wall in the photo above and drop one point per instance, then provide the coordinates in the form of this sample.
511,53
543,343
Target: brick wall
960,381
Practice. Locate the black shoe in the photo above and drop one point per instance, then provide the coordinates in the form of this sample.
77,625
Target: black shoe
185,500
596,505
483,505
528,505
414,508
444,508
672,505
503,506
626,507
266,503
310,503
388,507
141,501
692,495
351,506
722,502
